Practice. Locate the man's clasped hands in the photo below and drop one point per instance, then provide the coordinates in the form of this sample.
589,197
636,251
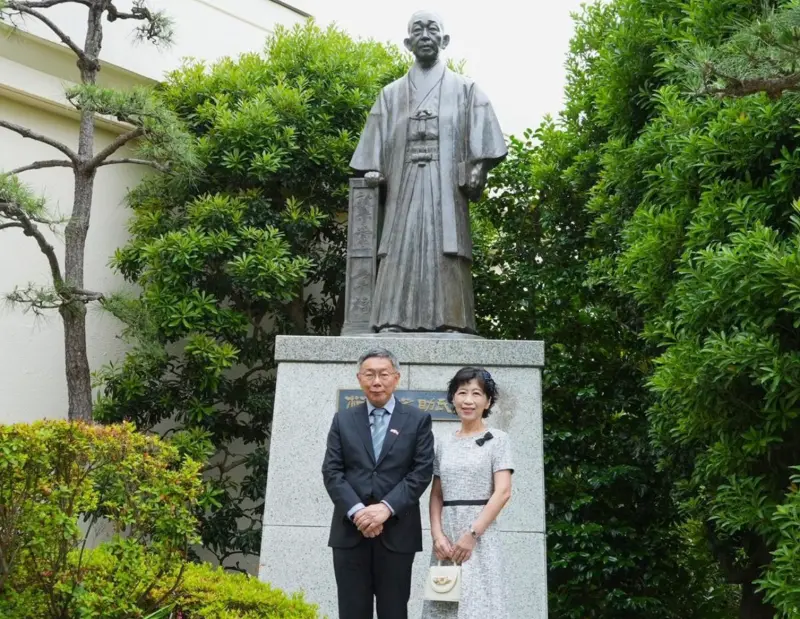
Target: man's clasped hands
370,519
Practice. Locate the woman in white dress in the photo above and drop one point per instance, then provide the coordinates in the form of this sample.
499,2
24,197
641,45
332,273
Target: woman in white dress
472,483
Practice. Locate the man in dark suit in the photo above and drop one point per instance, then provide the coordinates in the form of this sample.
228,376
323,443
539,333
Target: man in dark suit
378,463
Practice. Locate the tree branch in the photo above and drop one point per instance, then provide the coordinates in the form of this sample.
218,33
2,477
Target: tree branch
153,164
86,296
37,306
155,27
258,368
46,4
138,13
792,51
50,223
109,150
38,165
11,225
32,135
27,9
12,211
772,86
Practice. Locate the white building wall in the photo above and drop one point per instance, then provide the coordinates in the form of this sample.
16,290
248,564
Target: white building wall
32,383
33,74
204,29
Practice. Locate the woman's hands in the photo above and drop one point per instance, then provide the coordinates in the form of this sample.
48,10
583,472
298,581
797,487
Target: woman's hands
462,551
442,548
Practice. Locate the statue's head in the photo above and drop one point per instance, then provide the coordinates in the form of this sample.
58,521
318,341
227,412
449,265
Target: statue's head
426,37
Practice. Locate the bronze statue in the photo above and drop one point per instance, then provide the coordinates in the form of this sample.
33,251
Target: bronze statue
429,141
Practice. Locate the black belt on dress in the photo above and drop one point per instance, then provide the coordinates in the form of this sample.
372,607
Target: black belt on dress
465,502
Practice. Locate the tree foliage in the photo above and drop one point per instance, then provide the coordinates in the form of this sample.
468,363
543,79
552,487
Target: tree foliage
207,592
61,485
96,523
151,127
613,547
228,260
708,243
659,248
761,56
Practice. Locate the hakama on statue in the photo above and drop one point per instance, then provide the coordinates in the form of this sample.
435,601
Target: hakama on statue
423,135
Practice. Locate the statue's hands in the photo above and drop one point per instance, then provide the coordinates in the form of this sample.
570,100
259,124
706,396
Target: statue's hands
373,178
476,181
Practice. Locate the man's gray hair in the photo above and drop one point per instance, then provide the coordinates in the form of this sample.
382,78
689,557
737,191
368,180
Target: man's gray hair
434,14
380,353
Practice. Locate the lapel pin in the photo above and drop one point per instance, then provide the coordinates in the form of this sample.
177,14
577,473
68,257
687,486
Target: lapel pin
394,431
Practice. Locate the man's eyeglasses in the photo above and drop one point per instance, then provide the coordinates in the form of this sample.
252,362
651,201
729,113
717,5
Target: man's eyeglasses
383,376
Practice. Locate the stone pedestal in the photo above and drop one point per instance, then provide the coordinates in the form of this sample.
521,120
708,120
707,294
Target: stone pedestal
311,372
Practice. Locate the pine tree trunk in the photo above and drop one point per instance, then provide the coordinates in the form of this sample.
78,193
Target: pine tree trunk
79,384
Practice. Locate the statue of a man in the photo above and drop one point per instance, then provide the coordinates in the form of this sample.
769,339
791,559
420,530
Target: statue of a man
431,137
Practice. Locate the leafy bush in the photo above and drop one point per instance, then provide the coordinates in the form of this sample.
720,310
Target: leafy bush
223,263
206,592
782,577
618,545
660,247
63,483
701,200
613,548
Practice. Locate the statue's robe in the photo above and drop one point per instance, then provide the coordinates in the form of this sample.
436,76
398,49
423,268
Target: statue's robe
423,134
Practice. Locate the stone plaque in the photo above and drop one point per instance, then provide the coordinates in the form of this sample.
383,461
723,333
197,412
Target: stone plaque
434,402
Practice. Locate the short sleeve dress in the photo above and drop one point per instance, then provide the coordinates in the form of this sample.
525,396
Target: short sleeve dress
466,470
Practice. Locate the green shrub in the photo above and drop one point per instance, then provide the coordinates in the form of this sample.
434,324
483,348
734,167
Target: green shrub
684,207
226,263
617,547
206,592
781,580
61,484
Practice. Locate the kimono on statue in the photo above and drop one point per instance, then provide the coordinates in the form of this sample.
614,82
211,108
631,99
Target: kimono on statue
423,135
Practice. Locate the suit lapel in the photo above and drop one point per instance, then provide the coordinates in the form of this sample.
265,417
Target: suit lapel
396,423
362,425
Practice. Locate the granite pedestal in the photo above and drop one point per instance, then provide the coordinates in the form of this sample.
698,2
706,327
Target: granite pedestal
311,372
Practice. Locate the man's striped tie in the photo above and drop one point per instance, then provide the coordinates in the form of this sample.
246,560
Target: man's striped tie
378,430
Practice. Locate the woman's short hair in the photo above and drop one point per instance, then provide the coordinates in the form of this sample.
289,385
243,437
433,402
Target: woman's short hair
485,382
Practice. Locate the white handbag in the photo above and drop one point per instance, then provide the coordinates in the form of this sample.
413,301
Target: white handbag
443,583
